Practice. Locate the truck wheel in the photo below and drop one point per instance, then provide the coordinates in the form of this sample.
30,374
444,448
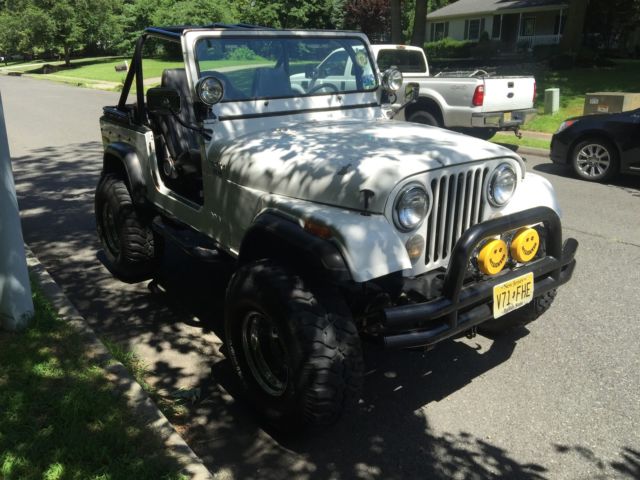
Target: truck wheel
128,241
595,160
425,118
522,316
295,349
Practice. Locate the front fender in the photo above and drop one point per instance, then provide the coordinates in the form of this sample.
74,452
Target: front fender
533,191
369,244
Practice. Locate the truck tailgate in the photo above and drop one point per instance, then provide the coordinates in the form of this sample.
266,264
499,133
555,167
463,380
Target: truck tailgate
503,94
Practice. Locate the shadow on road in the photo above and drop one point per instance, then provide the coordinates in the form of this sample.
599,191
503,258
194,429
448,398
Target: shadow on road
629,183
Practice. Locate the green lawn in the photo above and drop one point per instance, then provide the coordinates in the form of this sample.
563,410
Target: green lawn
575,83
59,416
511,139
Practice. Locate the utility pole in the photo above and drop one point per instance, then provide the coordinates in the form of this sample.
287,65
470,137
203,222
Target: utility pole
16,306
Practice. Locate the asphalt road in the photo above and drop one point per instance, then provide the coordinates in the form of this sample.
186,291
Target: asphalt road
556,400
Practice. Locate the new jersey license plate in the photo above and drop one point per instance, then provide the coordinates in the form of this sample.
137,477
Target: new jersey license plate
508,296
507,116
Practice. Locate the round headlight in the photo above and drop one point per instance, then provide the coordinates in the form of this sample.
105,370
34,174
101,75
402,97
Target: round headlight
210,90
392,79
411,208
502,185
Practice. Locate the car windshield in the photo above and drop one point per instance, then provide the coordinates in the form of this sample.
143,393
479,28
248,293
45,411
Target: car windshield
253,68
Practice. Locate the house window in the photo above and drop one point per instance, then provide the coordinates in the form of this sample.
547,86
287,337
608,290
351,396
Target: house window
473,31
528,27
496,30
439,31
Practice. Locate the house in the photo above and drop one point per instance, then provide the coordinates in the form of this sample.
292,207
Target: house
514,23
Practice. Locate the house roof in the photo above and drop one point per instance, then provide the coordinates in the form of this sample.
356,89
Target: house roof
471,7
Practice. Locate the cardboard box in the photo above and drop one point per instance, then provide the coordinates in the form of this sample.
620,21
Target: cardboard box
610,102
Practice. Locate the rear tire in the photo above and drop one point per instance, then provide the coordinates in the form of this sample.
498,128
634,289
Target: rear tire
522,316
425,118
483,133
128,241
295,348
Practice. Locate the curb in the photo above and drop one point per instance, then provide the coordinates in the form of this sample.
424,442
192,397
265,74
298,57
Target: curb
136,398
542,152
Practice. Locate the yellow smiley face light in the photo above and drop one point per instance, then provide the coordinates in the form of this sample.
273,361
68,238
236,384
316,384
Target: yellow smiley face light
525,244
493,257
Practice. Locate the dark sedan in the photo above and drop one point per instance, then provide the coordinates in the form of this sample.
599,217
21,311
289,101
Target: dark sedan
598,147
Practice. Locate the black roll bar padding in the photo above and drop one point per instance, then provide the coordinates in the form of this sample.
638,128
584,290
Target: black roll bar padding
463,249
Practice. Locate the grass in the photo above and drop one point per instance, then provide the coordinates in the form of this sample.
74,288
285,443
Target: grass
511,139
575,83
59,416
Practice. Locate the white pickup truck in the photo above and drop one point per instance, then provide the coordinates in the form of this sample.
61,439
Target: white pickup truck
472,102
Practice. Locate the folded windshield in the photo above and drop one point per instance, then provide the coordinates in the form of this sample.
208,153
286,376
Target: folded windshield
253,68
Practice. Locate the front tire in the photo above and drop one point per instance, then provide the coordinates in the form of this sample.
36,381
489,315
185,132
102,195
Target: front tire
522,316
126,236
295,348
594,160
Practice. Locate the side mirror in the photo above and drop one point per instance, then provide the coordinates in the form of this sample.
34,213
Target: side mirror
411,92
163,101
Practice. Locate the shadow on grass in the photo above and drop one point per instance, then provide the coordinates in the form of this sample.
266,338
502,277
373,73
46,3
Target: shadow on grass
59,416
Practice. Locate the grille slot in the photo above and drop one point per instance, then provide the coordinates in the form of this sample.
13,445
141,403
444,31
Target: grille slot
457,205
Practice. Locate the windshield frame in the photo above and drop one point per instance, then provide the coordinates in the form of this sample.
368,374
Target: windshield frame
195,36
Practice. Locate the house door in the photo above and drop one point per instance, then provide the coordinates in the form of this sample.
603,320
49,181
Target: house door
510,30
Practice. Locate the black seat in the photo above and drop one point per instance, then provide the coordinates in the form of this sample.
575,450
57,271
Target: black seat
271,82
182,143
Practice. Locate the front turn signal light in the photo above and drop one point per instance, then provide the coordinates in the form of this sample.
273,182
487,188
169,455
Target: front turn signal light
493,257
525,244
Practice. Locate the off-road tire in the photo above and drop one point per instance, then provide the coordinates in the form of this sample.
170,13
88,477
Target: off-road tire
131,248
521,316
322,351
425,118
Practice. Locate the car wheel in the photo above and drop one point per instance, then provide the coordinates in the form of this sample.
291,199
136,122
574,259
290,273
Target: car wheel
425,118
595,160
522,316
483,133
128,241
295,349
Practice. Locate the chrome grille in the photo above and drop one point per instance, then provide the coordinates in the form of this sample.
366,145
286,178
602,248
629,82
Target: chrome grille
457,205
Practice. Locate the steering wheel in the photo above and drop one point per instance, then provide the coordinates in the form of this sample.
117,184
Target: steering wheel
317,88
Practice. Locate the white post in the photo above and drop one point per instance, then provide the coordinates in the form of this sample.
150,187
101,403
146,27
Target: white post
16,306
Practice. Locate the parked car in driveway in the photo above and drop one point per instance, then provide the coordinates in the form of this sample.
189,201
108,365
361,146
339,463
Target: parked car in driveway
598,147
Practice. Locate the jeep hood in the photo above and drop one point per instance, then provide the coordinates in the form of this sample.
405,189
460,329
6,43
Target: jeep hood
332,162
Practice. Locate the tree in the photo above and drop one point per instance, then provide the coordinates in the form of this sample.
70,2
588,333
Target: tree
419,23
572,37
396,21
370,16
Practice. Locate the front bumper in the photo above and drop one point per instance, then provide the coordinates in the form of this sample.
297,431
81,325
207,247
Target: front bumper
461,306
503,120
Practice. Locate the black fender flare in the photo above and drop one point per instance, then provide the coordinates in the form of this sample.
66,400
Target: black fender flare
272,235
120,157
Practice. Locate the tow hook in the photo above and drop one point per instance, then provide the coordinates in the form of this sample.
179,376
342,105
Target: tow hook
517,132
472,332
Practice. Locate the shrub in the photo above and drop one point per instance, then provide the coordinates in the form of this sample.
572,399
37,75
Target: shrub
449,48
242,53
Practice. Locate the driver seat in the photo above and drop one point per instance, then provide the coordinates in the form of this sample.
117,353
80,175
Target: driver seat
181,142
271,82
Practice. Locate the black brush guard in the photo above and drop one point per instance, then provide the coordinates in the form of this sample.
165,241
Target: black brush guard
462,307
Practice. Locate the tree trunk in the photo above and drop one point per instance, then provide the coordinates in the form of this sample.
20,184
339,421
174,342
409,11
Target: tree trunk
396,21
67,55
419,24
572,37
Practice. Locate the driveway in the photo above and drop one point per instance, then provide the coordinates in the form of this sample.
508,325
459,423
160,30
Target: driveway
556,400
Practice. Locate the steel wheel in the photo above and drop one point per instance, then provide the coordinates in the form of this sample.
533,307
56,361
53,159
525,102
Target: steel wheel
594,160
265,353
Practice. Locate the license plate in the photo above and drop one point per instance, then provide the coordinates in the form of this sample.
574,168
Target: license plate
513,294
506,117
